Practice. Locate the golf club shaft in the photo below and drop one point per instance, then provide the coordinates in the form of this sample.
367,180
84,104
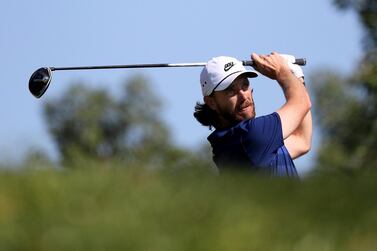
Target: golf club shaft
299,61
98,67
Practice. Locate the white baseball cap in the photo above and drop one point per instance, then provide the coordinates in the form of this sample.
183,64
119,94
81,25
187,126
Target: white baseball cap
220,72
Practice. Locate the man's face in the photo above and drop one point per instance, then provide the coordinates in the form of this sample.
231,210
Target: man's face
233,104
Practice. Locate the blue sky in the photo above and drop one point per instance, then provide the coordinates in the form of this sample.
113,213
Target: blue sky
40,33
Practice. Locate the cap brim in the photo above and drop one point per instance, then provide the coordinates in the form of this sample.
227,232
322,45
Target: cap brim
225,84
249,74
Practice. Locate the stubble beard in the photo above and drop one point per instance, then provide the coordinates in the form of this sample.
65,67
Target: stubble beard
233,117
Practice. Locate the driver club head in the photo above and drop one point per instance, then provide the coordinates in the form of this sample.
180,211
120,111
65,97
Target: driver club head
39,81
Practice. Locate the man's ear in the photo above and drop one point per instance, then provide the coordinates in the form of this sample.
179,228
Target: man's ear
210,101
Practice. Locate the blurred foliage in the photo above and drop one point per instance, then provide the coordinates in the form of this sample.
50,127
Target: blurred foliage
36,159
139,209
346,106
367,13
89,125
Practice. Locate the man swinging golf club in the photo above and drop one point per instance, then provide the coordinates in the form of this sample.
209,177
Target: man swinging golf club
241,140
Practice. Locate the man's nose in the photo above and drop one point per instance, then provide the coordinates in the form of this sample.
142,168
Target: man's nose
242,94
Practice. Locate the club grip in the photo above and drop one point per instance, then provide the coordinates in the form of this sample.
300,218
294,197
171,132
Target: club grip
298,61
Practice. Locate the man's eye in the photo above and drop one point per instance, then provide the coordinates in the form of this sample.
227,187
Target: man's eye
231,92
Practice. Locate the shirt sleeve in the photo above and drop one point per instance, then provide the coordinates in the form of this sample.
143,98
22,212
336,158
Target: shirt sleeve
264,138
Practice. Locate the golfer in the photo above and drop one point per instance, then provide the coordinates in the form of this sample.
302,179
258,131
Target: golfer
267,144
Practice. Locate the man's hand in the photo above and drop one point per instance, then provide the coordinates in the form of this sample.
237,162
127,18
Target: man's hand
273,66
295,69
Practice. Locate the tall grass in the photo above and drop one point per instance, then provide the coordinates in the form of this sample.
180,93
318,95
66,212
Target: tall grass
137,209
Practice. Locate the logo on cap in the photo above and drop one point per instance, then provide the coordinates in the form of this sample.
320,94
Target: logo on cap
228,66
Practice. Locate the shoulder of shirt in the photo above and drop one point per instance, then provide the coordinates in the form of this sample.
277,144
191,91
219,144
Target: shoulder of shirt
259,119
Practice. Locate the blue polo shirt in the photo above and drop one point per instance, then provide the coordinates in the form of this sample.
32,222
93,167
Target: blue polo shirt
254,144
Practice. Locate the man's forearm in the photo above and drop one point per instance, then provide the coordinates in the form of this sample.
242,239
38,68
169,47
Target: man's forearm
296,107
293,89
305,129
300,141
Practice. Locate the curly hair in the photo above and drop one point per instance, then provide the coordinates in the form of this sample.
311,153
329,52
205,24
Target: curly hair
205,115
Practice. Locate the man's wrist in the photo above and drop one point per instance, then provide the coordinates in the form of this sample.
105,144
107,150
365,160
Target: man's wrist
285,77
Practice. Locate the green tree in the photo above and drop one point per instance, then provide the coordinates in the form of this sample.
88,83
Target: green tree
36,159
90,126
89,123
346,106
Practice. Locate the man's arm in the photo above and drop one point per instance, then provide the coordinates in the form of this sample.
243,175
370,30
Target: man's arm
300,141
298,103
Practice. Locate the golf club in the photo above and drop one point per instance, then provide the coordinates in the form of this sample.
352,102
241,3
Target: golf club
41,78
